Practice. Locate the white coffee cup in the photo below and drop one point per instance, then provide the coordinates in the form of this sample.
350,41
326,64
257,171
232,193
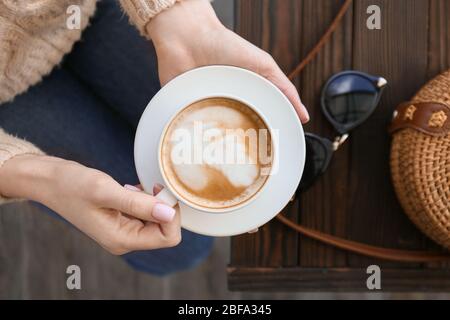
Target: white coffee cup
271,105
171,197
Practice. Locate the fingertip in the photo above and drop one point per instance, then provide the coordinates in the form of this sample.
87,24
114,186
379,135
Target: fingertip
302,111
163,213
157,188
296,101
305,118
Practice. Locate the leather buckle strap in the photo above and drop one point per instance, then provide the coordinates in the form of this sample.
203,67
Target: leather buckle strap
432,118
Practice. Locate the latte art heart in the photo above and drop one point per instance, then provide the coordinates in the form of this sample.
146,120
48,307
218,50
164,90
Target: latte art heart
211,153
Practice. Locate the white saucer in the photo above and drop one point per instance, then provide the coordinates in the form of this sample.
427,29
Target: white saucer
224,81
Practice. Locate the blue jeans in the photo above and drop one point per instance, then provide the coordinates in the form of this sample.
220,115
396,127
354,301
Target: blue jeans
87,110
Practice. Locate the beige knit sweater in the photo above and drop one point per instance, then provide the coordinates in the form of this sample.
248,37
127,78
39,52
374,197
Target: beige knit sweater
34,37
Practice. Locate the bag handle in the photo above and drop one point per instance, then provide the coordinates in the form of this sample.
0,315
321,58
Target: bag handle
323,40
365,249
353,246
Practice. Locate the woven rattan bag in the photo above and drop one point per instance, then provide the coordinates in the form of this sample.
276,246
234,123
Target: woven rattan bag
420,158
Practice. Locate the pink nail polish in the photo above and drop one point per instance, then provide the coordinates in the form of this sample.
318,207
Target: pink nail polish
132,188
157,188
163,213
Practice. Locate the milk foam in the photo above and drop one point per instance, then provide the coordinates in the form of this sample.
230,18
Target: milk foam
215,118
213,183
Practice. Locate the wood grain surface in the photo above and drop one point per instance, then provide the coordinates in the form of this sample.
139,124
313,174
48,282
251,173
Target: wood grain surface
355,198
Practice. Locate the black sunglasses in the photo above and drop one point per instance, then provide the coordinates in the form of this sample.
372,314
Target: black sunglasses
348,99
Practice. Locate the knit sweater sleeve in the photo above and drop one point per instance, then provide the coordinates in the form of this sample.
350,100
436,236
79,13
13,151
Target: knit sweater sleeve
10,147
142,11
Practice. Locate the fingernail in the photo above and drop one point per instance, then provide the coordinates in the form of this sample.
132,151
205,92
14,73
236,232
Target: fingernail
163,213
132,188
157,188
306,116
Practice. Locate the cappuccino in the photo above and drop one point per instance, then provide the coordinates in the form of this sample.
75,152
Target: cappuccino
216,153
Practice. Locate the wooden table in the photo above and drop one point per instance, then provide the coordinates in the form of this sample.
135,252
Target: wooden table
355,198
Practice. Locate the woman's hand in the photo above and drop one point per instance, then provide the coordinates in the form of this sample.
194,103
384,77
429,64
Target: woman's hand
120,219
189,35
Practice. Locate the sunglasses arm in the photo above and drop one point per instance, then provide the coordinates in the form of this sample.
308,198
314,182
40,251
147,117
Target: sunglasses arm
339,141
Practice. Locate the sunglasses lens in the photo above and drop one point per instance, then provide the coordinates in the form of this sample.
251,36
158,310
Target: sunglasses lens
318,154
349,99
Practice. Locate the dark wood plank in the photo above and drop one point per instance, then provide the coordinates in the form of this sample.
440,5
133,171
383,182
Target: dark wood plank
40,248
12,248
273,244
396,52
29,267
322,206
336,280
289,32
355,198
439,37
